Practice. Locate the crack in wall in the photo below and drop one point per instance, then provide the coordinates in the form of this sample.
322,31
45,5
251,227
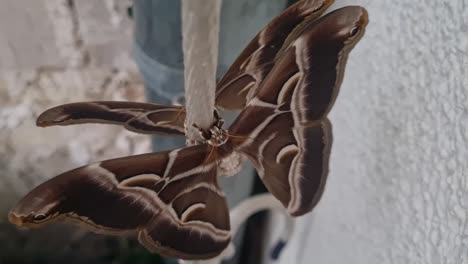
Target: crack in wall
78,39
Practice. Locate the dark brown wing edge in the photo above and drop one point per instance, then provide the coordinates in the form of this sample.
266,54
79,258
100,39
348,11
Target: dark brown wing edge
288,134
143,118
242,79
171,200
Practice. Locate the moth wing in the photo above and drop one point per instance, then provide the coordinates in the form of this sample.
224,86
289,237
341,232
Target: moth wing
169,120
243,78
171,200
288,136
292,161
138,117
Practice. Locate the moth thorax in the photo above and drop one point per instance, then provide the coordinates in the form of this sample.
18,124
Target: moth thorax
218,136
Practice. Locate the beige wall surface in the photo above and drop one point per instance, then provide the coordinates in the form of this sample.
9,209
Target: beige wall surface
398,187
54,52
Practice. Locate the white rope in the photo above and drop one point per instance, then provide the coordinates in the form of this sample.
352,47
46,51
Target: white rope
200,31
200,38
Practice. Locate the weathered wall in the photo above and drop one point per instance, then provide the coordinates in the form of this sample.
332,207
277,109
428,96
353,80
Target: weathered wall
53,52
398,188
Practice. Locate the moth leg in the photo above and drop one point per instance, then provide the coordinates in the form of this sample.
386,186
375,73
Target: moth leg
178,115
219,121
211,154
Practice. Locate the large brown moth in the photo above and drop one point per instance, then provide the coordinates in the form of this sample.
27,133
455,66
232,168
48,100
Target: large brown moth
238,85
286,81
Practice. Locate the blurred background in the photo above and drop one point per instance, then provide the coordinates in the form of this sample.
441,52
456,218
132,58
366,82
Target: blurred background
54,52
398,187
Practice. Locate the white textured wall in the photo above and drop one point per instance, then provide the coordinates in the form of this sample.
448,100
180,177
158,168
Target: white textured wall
398,188
53,52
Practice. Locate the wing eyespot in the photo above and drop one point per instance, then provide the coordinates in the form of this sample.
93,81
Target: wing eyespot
354,31
39,218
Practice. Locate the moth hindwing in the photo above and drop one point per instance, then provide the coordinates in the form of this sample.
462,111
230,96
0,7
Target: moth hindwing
170,200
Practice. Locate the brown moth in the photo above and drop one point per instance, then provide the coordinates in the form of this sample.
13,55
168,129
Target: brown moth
238,85
171,200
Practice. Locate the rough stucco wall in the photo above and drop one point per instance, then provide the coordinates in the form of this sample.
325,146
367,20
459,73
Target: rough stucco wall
398,188
53,52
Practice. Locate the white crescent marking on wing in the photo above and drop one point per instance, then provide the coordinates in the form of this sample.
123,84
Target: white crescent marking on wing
285,151
286,87
190,209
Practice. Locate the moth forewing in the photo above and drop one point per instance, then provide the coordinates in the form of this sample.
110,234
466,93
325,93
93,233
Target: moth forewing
242,79
138,117
289,135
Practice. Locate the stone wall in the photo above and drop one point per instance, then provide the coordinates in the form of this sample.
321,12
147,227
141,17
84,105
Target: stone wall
54,52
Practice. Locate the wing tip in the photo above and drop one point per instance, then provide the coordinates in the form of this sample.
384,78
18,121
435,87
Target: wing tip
52,116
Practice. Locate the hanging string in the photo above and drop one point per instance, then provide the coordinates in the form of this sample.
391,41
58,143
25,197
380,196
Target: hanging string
200,31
